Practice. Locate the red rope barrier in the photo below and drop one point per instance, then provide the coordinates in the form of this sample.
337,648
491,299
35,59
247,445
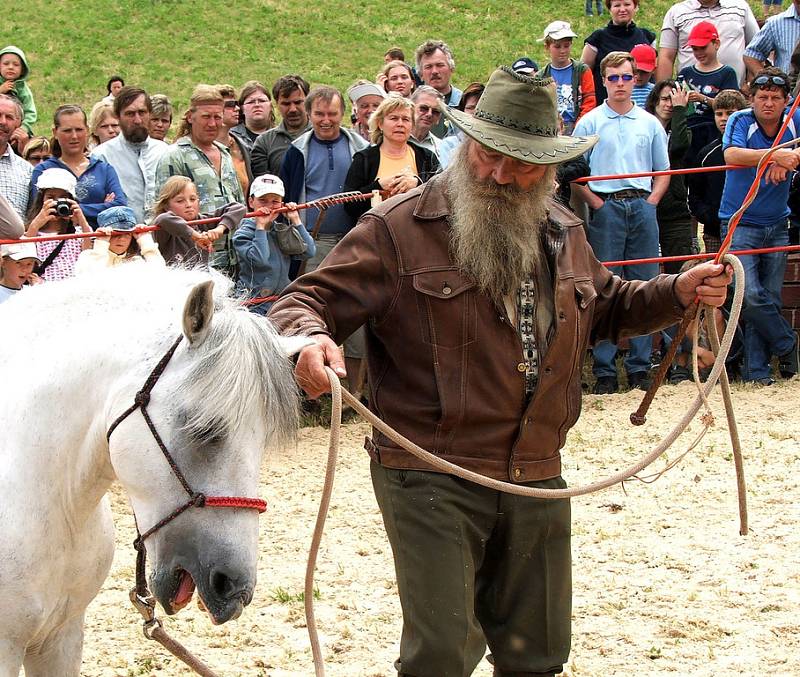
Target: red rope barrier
704,255
260,299
663,172
322,203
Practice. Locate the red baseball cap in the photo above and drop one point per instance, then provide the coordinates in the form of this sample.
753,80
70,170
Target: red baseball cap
702,34
645,58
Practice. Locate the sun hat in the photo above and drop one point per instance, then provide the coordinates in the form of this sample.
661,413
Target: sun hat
558,30
121,219
702,33
55,177
645,58
525,65
20,251
517,116
365,89
267,184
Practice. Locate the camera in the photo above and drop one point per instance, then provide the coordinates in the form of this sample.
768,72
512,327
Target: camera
63,208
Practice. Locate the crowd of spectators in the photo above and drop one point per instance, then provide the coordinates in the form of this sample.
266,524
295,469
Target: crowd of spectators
711,89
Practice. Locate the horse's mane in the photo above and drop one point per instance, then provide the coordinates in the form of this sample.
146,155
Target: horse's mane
240,371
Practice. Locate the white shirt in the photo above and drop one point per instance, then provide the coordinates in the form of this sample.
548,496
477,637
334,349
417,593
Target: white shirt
135,164
733,19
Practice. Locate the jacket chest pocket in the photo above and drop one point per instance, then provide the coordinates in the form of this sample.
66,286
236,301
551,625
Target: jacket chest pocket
446,307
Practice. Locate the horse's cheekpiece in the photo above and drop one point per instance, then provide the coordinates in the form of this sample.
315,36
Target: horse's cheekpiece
140,595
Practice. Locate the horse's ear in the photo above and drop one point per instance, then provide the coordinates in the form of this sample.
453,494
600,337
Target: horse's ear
291,345
198,311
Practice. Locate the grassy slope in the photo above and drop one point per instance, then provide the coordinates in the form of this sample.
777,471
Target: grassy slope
170,45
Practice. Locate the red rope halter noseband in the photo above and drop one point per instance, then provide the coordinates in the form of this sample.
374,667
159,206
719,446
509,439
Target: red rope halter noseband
196,499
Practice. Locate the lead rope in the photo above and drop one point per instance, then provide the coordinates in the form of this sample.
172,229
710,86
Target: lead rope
438,463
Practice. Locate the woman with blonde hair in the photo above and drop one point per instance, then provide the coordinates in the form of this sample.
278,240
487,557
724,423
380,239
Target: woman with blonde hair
394,164
36,150
397,76
103,124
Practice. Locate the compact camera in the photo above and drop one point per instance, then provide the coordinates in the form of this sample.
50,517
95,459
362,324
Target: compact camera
63,208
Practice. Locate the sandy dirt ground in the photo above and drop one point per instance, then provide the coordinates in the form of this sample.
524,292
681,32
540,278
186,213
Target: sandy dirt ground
663,582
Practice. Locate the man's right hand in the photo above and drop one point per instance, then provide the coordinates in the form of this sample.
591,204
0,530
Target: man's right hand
595,201
310,369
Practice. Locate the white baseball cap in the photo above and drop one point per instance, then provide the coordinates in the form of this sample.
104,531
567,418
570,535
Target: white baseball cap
558,30
365,89
20,251
267,184
55,177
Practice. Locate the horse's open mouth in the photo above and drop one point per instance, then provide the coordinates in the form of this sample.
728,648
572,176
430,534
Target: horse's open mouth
183,595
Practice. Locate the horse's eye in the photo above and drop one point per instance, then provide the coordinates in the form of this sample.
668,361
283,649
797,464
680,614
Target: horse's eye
213,433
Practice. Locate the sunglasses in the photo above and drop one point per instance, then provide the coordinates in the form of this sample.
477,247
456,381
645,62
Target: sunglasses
625,77
231,104
763,80
428,109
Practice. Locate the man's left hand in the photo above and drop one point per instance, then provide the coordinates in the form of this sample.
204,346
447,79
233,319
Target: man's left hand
707,281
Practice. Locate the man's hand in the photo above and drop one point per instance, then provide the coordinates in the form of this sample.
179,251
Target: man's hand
708,281
595,201
786,158
310,370
19,136
776,174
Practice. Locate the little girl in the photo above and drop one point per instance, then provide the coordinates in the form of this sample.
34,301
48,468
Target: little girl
179,242
116,243
55,211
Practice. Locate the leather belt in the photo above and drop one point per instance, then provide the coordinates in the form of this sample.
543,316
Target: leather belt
627,194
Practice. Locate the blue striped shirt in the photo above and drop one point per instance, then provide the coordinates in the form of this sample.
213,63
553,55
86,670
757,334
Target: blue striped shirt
781,33
770,205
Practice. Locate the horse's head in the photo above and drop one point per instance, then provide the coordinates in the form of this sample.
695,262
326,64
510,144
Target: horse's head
226,392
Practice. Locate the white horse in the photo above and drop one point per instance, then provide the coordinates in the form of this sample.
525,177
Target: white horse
73,356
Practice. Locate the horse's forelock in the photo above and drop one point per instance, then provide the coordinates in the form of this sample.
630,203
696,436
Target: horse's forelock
240,372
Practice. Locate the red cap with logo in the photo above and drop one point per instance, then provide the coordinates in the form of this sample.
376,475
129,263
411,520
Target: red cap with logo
702,34
645,58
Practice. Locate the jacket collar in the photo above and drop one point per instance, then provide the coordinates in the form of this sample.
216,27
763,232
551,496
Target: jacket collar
433,203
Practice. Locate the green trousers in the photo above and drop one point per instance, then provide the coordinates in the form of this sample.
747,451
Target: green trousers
477,567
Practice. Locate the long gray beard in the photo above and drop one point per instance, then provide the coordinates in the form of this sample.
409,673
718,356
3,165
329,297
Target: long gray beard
495,230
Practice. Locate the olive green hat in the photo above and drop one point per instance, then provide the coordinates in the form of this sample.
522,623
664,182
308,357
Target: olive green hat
517,116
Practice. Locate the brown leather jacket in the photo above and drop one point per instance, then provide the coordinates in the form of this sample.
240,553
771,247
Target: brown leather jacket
445,365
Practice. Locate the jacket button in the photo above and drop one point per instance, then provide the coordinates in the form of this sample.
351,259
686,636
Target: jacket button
446,290
521,367
517,473
528,420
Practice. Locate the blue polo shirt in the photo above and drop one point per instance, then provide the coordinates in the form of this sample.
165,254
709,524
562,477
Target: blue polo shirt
770,205
629,143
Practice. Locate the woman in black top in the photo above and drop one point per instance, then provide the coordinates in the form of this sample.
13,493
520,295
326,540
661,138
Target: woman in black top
620,35
394,164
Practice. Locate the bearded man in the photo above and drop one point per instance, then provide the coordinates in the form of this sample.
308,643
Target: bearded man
480,296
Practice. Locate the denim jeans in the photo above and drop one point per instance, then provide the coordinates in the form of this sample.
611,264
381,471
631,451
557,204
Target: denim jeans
622,230
588,8
766,332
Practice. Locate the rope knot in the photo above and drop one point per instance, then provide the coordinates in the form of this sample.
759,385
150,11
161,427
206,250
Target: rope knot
199,500
142,398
